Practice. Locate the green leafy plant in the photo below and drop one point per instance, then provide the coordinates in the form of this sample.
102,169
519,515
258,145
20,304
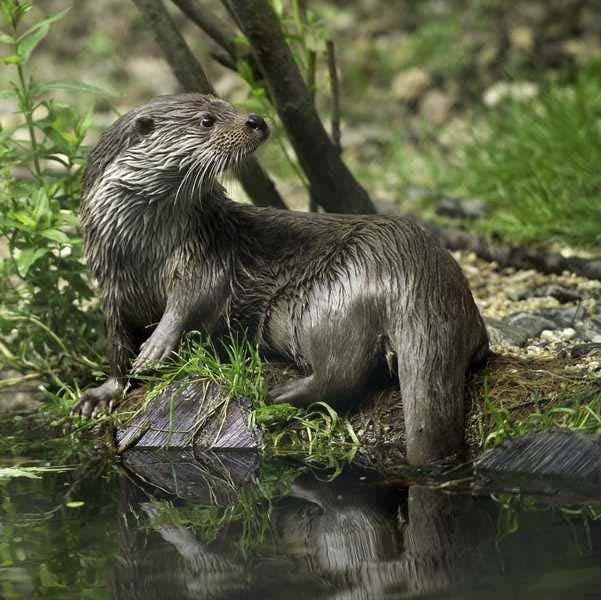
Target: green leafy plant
49,322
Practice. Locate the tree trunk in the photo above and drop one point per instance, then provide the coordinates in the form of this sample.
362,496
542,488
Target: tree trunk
331,183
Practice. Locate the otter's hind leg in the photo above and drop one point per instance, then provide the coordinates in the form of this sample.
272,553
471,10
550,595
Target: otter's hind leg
342,356
300,392
432,374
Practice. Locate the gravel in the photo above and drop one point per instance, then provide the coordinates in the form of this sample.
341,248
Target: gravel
528,313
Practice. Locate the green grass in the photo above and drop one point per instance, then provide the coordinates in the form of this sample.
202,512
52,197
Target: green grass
536,163
318,433
576,407
29,472
236,364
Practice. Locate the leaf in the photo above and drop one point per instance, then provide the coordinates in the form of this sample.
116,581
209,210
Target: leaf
85,122
41,205
45,22
68,218
242,40
278,7
28,257
9,10
75,504
56,235
7,94
73,86
13,59
245,71
25,218
28,42
5,38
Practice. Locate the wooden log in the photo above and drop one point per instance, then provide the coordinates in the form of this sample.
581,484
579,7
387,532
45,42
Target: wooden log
200,415
556,462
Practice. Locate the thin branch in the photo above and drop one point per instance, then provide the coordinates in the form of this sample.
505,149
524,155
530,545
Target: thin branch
229,52
224,59
311,73
186,68
331,183
191,76
335,91
518,257
217,29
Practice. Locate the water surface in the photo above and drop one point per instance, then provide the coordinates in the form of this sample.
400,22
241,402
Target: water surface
172,525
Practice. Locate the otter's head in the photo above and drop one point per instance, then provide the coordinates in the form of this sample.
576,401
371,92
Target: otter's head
174,145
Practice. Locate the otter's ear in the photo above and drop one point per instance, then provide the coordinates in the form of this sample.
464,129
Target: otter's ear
144,125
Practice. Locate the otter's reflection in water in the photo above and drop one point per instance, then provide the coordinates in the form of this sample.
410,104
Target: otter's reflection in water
348,538
227,526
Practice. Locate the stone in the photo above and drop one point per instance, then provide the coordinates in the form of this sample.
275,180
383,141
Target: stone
561,293
554,461
581,350
411,84
503,90
192,414
461,208
503,334
435,106
531,323
590,330
564,317
562,335
522,38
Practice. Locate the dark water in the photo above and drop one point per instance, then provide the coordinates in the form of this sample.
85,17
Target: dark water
180,526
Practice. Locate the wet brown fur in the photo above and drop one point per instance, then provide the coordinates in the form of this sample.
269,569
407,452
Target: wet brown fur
344,297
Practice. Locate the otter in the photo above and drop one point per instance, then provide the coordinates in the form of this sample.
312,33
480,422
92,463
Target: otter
342,296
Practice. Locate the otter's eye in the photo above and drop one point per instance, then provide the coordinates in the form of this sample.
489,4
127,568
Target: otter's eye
208,121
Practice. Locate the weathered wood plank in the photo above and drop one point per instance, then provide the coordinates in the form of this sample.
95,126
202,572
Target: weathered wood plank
192,414
554,452
558,463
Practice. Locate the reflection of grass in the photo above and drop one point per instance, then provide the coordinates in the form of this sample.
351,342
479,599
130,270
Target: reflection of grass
250,512
29,472
512,507
536,163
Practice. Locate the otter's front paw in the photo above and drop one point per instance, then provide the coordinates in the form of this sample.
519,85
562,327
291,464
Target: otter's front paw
98,399
155,349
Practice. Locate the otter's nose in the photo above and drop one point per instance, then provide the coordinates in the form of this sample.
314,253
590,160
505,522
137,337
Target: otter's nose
257,122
